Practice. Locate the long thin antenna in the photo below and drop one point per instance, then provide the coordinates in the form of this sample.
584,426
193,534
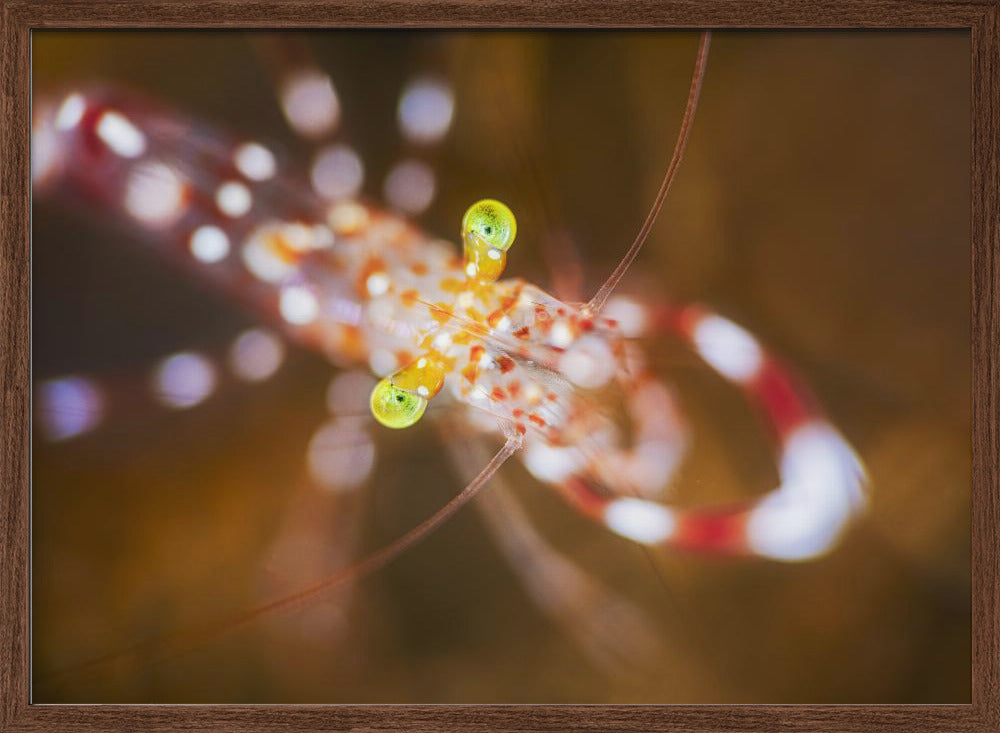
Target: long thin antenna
173,644
596,303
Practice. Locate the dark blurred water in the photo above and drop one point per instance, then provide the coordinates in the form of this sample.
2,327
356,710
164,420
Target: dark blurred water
823,204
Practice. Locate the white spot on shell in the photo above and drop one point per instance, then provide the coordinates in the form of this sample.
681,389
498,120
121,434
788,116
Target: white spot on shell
233,199
298,236
640,520
119,134
561,335
630,316
426,109
442,342
727,348
70,112
184,380
255,161
533,393
209,244
589,363
347,217
69,407
155,194
256,355
550,463
377,284
821,487
310,103
298,305
261,256
410,186
337,172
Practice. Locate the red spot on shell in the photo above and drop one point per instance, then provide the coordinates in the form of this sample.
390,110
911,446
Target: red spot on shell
584,496
418,268
514,388
518,412
718,531
522,333
537,419
506,364
88,124
782,398
683,321
371,266
277,244
521,429
498,395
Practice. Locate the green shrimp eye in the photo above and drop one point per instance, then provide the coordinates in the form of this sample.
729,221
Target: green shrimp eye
395,407
493,222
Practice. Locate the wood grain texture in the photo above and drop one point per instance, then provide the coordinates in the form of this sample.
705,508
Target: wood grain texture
985,448
18,18
500,13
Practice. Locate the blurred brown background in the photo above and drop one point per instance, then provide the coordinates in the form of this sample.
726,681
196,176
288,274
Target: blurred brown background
823,204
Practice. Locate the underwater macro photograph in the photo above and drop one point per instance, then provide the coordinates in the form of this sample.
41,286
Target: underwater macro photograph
576,366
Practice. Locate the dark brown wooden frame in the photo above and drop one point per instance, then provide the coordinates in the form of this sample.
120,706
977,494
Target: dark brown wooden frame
17,20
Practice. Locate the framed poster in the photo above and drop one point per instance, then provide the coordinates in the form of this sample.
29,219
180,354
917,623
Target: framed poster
736,470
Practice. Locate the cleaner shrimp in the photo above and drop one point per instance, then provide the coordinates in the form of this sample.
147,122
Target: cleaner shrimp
561,380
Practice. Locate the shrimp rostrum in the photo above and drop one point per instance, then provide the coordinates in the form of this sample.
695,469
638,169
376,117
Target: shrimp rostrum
565,384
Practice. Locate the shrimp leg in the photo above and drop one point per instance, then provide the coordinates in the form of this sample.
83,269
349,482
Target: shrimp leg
69,406
822,482
613,632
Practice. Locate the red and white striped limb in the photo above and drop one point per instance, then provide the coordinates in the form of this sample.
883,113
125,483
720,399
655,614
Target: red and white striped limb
822,481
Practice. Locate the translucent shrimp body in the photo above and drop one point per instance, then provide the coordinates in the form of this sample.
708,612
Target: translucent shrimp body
363,285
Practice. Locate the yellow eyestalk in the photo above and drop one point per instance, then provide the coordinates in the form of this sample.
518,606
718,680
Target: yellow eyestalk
395,407
493,221
399,401
488,231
